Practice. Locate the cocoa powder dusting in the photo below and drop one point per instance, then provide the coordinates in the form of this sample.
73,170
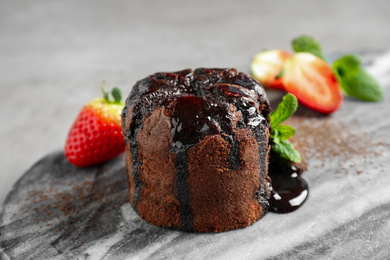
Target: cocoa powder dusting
329,139
76,207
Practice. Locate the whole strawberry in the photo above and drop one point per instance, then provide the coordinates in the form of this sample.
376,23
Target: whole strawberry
96,134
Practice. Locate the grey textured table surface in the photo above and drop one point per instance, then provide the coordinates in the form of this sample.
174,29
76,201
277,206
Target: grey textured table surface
59,211
54,55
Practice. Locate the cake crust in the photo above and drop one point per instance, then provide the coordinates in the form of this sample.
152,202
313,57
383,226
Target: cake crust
197,149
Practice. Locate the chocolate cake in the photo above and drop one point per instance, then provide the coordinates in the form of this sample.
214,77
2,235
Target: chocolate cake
197,149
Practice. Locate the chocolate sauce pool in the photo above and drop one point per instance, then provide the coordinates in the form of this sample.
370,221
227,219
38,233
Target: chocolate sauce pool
290,190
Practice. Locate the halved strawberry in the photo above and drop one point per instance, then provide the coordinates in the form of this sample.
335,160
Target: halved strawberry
311,80
96,134
266,66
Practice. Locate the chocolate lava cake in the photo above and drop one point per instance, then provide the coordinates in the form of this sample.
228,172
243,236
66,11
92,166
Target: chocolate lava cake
197,149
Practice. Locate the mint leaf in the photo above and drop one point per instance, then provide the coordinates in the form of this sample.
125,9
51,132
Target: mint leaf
363,86
284,131
287,151
284,110
356,81
308,44
274,136
347,65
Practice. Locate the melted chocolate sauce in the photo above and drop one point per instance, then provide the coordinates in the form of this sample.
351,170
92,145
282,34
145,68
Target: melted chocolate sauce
193,118
290,190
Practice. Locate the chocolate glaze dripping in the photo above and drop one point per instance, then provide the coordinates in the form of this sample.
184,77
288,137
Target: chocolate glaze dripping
137,118
146,95
191,122
181,160
251,119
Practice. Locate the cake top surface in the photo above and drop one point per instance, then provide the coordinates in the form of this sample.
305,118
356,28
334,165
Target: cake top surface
198,82
200,102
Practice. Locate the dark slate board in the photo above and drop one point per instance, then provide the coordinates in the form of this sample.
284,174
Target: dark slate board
59,211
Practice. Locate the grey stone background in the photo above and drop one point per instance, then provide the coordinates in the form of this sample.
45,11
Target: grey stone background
55,54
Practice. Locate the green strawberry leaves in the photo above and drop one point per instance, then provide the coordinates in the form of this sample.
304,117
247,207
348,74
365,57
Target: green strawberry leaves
356,81
115,93
280,133
308,44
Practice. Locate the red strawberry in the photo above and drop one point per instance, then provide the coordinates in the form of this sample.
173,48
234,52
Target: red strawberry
311,80
266,66
96,135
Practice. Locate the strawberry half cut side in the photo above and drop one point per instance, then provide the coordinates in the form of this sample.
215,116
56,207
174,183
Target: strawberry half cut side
266,66
311,80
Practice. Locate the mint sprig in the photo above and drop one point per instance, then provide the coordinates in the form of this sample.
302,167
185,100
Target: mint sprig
280,133
355,80
308,44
